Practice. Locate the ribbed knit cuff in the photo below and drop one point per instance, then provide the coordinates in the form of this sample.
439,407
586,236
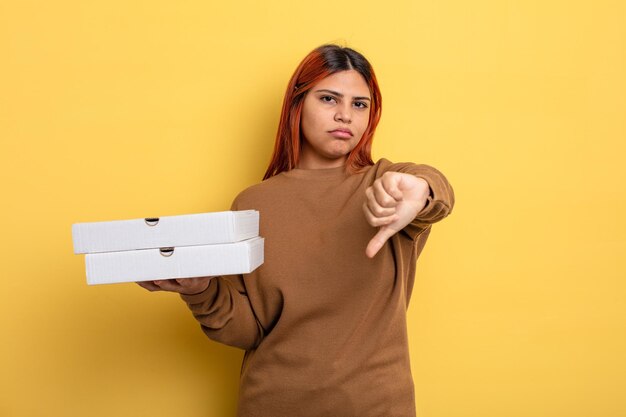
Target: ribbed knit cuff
441,197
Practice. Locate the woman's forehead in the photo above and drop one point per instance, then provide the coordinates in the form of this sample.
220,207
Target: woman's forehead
348,82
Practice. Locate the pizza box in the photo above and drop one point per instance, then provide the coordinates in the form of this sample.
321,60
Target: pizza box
174,262
167,231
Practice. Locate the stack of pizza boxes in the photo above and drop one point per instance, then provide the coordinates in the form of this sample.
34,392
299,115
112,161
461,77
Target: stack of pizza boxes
193,245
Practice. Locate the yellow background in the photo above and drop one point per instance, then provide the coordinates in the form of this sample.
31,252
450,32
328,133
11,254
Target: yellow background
117,110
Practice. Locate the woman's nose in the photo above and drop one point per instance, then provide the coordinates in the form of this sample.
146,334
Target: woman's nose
343,115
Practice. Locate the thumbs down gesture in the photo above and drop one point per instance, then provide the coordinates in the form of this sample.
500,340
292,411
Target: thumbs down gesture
391,203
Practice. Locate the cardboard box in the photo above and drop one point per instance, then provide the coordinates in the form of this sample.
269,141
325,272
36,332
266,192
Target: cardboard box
178,262
187,246
168,231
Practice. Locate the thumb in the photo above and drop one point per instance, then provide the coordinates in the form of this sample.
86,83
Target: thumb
377,242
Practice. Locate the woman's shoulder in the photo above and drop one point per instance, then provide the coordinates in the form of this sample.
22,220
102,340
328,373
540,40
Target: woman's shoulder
257,193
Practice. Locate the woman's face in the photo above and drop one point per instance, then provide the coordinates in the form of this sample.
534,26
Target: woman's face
335,114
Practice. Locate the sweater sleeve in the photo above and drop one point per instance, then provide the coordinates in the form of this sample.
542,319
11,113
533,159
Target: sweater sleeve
224,311
440,201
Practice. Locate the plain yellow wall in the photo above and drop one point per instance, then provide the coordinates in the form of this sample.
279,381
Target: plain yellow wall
117,110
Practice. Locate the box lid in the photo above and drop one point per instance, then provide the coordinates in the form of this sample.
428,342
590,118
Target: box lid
157,232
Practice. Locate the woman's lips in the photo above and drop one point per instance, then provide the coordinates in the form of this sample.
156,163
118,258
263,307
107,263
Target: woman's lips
343,134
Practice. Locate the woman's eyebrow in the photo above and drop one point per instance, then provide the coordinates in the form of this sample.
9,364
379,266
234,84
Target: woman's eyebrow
341,95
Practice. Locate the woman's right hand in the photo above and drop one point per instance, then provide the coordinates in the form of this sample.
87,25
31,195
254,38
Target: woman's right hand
186,286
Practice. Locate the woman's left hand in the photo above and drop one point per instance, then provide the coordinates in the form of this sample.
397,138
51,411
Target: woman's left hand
185,286
391,203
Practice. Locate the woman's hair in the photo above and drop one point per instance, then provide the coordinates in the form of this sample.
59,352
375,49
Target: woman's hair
317,65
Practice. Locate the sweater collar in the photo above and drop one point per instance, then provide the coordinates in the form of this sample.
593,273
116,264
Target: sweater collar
324,173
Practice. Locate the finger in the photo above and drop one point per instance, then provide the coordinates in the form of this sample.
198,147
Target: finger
377,210
383,198
149,285
168,285
378,241
390,182
192,282
375,220
193,285
198,286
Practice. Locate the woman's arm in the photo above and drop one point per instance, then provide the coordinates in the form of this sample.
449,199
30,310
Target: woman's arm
220,305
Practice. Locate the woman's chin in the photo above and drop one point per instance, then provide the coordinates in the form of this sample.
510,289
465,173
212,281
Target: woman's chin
340,151
339,156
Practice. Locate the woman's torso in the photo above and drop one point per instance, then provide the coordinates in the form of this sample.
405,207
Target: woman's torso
335,339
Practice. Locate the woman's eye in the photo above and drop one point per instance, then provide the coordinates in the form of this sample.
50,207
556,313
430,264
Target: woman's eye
327,99
360,104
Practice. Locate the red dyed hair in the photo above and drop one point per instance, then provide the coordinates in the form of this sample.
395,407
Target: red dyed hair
317,65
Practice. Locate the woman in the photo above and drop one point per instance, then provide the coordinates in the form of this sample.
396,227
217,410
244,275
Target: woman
323,320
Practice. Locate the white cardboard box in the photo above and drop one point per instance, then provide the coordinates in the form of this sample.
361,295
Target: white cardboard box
168,231
179,262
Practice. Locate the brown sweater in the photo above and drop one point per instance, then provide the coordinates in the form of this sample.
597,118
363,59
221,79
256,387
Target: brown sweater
323,326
